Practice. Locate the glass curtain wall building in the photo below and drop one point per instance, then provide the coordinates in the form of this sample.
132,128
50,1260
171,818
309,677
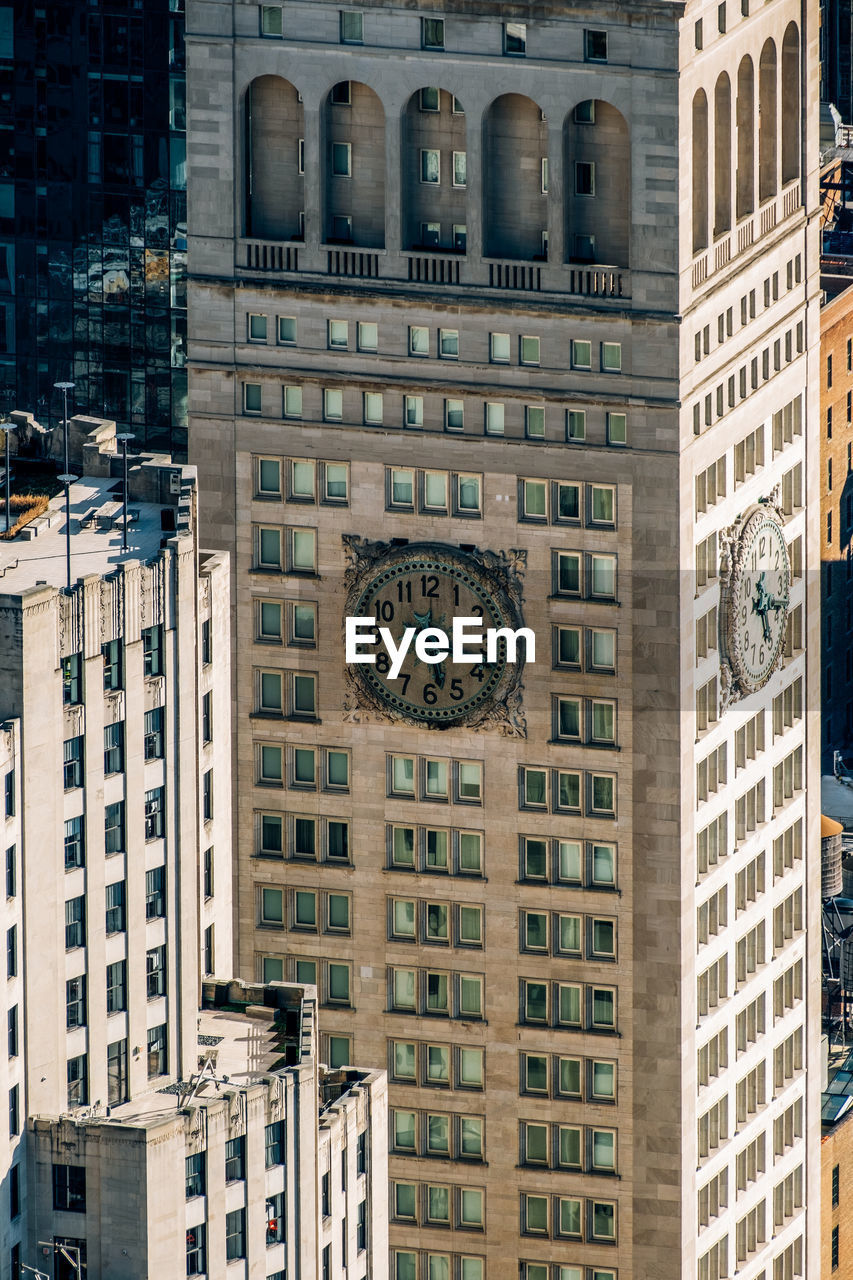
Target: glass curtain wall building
93,212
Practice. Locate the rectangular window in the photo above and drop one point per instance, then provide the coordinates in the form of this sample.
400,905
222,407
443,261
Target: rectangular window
69,1188
430,166
576,424
454,419
117,987
528,352
257,327
494,418
499,348
418,340
153,734
292,403
352,27
155,806
157,1058
72,680
581,352
155,972
617,428
252,401
75,843
342,159
414,411
432,33
515,39
75,1002
195,1179
271,20
75,925
77,1081
114,748
112,654
152,651
117,1073
155,893
595,46
534,422
115,915
267,548
460,168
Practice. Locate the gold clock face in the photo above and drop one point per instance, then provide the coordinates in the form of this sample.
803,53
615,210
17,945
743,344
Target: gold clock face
428,586
758,601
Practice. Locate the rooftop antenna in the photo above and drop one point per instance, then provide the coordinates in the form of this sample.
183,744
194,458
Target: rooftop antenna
66,478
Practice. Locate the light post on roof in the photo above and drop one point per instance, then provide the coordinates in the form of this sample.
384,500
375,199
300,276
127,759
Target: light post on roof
124,437
64,387
67,480
7,428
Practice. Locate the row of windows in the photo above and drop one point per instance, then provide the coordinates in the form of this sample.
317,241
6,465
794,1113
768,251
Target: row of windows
351,30
438,1205
725,320
409,1265
564,1146
113,659
372,412
430,1133
76,989
539,1074
77,1069
567,791
445,344
567,935
749,377
115,895
114,747
748,456
568,1216
294,623
115,828
332,978
567,1004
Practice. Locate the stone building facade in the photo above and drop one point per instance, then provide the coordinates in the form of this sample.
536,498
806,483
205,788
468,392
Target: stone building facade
110,843
261,1165
529,304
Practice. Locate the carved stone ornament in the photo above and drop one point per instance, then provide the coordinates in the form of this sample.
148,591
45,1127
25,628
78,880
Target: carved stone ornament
755,582
426,585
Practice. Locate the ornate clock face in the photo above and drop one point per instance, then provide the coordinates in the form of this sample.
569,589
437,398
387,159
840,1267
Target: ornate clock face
757,607
424,586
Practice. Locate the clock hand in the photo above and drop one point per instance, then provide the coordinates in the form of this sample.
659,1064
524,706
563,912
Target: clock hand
777,602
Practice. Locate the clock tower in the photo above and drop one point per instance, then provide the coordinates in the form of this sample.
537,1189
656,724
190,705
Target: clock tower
511,313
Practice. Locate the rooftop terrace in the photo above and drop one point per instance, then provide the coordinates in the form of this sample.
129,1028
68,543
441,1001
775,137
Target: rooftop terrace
37,554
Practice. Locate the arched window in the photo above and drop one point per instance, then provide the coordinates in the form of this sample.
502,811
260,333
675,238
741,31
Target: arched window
274,160
722,155
767,123
745,138
597,184
700,171
791,104
354,166
435,172
515,206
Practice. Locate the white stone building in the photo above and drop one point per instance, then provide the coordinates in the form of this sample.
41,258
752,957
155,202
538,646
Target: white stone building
262,1165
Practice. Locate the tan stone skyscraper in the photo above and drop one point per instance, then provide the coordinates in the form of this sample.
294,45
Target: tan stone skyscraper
510,313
